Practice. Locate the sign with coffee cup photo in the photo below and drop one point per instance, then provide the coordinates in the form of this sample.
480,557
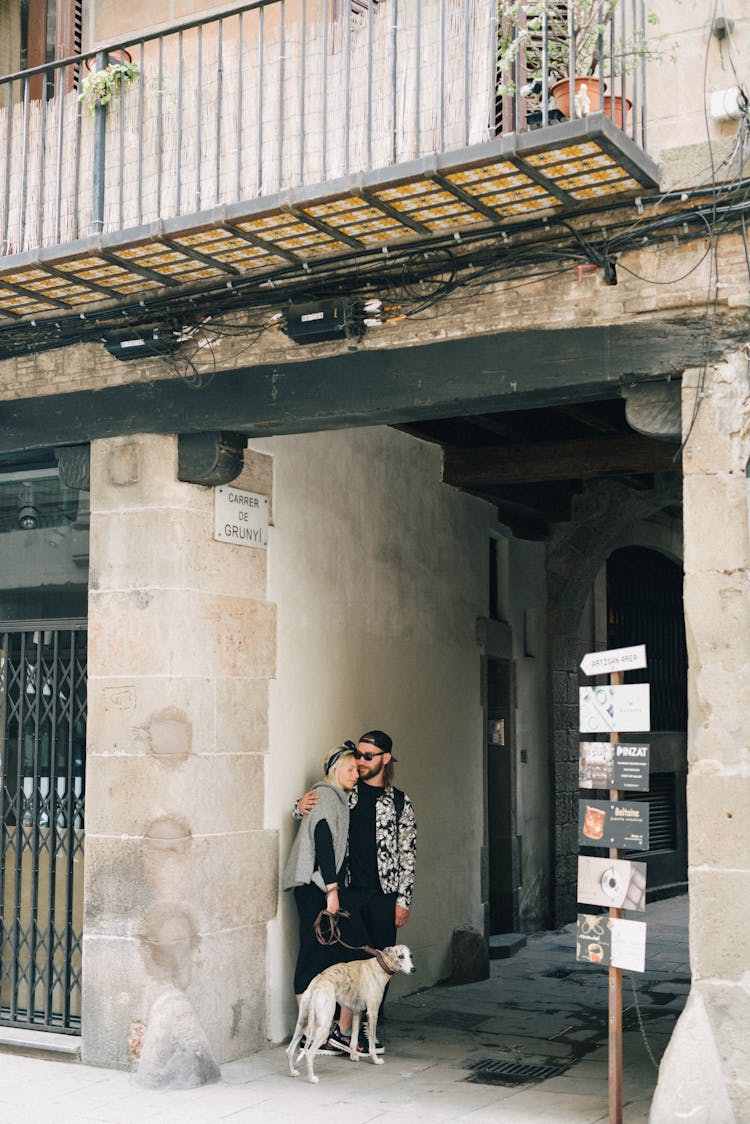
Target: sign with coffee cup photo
611,942
613,765
611,823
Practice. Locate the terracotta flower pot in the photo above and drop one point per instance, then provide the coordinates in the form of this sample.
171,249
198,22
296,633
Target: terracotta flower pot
586,95
617,108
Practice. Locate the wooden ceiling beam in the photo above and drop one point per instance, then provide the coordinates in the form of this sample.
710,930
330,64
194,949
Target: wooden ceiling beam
530,463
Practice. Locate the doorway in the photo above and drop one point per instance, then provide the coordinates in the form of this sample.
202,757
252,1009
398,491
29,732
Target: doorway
504,874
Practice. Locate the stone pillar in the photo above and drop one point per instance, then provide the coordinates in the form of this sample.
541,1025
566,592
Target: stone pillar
180,876
705,1073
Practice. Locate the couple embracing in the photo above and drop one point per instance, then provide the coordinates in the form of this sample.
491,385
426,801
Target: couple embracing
354,851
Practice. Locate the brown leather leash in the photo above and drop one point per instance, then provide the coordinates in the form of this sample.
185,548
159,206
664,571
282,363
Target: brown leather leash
332,935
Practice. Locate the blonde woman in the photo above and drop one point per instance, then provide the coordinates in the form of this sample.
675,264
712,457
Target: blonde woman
316,871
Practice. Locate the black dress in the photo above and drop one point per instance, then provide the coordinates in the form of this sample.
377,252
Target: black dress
313,957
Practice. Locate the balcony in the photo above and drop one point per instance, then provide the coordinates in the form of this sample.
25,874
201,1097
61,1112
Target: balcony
284,138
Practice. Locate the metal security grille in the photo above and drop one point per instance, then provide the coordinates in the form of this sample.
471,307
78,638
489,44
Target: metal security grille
42,756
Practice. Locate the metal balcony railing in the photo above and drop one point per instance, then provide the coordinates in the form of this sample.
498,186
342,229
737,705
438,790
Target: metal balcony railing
278,94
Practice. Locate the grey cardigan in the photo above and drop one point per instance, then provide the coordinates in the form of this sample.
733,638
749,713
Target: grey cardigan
333,807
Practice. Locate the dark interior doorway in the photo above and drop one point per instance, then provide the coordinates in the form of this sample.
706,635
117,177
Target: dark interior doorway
503,856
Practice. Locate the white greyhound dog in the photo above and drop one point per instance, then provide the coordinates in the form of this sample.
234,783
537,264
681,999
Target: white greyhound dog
358,985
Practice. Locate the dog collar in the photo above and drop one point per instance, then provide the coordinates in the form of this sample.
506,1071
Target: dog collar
381,960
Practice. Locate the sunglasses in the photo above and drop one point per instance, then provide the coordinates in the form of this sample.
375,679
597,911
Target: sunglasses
368,756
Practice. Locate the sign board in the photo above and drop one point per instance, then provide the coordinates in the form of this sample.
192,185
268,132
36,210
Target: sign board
613,823
623,708
616,659
619,765
616,883
611,941
240,517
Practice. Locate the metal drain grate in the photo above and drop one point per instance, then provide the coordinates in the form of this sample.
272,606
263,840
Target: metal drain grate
489,1072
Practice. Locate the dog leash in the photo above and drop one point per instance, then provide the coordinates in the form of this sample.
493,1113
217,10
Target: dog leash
332,935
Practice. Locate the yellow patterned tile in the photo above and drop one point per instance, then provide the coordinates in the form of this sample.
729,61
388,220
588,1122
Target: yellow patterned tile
26,276
404,190
486,171
554,156
454,222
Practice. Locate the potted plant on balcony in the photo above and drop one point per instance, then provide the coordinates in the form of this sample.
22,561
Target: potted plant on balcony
100,86
575,31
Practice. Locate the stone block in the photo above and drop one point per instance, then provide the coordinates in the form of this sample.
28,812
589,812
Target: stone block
114,999
223,881
719,945
716,523
717,616
124,795
118,890
122,711
242,715
122,551
140,471
151,632
718,824
228,993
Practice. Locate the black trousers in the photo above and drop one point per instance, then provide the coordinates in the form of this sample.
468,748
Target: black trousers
378,914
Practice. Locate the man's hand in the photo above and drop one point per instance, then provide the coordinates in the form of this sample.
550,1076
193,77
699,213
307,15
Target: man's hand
307,802
402,916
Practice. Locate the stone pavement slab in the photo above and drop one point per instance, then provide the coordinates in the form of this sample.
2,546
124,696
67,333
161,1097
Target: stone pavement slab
537,1007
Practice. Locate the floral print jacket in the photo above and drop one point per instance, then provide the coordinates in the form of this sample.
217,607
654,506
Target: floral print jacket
396,843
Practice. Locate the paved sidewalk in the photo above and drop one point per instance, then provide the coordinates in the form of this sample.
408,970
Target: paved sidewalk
538,1007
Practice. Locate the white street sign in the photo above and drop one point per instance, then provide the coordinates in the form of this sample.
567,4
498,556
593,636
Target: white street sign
240,517
622,708
616,659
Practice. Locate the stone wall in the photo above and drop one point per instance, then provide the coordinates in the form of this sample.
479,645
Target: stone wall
181,873
704,1075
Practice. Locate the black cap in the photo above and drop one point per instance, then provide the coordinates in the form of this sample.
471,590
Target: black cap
381,740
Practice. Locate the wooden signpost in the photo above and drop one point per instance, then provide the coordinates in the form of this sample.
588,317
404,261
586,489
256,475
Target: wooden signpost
613,663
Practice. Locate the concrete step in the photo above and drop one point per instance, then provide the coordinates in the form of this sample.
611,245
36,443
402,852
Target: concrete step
40,1044
503,945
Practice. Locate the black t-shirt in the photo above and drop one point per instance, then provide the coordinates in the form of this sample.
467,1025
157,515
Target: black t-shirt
363,856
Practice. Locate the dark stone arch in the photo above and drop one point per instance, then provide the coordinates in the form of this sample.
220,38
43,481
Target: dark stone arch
602,513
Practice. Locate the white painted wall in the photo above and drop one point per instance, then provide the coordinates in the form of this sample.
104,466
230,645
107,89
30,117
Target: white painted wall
379,572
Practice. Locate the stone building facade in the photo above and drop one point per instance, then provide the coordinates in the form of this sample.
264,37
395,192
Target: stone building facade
220,674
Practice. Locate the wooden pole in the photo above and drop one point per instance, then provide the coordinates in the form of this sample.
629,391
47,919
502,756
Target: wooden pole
615,984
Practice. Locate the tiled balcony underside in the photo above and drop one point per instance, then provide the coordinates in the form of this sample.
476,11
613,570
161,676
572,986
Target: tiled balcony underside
564,168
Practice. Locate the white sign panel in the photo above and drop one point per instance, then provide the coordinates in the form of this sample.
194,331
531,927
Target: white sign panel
616,659
624,708
240,517
628,944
